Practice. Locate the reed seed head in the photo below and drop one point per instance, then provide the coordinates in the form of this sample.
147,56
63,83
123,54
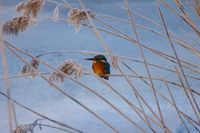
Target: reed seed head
30,8
27,128
70,68
115,61
24,129
17,24
76,16
197,7
30,68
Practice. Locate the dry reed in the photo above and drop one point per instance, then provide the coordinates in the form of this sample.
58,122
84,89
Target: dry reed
197,7
25,129
195,105
146,65
12,121
29,128
115,61
28,68
18,24
70,68
77,16
38,114
56,14
12,48
30,8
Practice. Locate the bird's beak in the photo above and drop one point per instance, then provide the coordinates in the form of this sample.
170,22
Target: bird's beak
89,59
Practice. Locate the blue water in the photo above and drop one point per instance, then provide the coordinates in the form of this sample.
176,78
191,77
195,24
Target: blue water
57,36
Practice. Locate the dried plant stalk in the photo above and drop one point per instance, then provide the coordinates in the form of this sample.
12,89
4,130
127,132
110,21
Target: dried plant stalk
69,67
17,24
27,128
56,14
146,65
115,61
30,8
60,90
185,17
12,121
24,129
197,7
28,68
174,102
76,16
180,5
182,70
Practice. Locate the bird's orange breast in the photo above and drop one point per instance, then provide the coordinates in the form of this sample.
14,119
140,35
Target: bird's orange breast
99,68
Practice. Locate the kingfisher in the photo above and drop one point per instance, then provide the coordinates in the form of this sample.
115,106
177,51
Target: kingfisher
100,66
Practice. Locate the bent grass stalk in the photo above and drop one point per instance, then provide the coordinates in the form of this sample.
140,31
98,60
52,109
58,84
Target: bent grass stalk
33,57
101,98
121,57
114,75
161,54
58,88
84,86
38,114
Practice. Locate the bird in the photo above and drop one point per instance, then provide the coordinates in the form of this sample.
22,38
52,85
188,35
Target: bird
100,66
